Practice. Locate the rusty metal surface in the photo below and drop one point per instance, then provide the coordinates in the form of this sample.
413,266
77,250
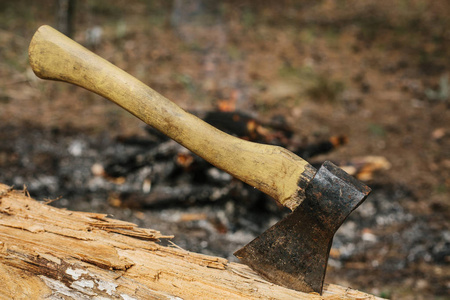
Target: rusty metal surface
294,252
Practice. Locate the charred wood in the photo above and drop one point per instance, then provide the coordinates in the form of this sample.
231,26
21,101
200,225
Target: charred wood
158,171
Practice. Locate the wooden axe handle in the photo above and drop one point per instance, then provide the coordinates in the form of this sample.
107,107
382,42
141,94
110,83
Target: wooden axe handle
271,169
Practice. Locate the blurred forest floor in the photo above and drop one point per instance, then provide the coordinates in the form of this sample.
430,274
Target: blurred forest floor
375,71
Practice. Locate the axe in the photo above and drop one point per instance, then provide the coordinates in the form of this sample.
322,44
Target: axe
292,253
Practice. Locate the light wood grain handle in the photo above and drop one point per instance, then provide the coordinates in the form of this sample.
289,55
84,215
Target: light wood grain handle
273,170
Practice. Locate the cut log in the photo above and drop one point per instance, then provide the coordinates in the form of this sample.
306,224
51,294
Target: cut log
51,253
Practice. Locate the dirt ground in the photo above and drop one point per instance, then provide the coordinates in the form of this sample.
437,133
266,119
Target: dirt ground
374,71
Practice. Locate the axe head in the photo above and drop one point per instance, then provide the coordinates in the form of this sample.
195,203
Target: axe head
294,252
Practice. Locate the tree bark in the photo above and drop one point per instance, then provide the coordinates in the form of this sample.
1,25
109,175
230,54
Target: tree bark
51,253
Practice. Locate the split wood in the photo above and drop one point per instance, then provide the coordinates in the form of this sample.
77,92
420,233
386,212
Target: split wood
51,253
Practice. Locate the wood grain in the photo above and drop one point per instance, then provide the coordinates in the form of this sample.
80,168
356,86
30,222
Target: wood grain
273,170
51,253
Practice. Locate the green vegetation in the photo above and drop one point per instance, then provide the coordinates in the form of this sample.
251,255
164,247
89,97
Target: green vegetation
443,91
377,130
325,89
316,86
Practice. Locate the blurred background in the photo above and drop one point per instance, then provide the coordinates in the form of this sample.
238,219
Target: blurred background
364,84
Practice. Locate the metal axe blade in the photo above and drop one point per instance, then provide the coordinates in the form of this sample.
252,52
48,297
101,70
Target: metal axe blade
294,252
